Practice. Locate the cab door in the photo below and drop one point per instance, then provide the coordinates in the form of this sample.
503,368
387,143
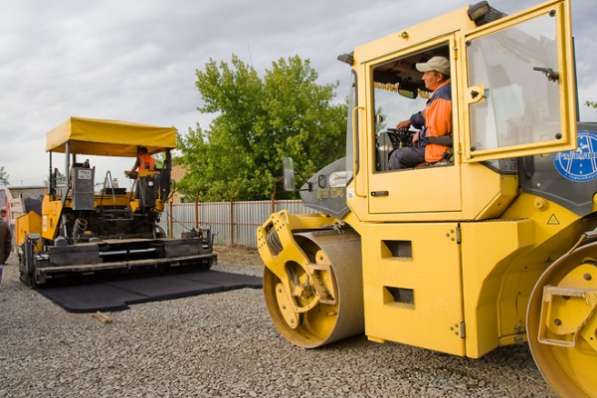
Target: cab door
421,189
520,92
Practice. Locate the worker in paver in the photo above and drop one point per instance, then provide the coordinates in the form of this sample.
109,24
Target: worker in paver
5,241
144,163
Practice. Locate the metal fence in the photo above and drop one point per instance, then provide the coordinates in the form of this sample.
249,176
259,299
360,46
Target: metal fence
234,223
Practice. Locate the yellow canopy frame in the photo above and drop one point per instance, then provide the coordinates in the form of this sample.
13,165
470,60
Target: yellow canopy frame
109,137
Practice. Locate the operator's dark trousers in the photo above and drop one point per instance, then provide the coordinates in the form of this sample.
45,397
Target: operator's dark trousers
5,244
405,158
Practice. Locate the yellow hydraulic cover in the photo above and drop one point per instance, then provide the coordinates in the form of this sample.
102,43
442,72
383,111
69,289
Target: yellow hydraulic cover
109,137
27,224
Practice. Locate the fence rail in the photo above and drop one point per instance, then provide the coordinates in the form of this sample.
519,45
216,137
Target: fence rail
232,222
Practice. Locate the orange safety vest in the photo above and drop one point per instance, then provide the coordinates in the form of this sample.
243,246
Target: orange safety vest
146,162
436,121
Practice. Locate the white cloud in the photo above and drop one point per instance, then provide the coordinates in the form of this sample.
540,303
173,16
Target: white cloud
136,60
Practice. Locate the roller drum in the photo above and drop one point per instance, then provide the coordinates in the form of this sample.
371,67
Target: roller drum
336,275
562,323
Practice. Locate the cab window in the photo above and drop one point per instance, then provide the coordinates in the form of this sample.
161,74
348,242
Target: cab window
520,103
398,93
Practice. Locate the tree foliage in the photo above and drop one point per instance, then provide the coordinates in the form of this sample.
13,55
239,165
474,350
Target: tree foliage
3,176
259,121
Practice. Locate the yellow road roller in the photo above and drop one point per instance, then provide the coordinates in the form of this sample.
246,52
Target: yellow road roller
489,241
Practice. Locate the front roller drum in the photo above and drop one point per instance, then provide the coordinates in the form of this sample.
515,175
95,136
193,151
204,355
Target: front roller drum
323,302
562,322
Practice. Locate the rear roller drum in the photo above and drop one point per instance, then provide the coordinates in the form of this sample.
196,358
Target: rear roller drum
323,301
562,322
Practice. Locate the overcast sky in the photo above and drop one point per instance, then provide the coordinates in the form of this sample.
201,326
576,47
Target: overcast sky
136,60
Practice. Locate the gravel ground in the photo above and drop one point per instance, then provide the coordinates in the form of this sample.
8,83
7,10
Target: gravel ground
223,345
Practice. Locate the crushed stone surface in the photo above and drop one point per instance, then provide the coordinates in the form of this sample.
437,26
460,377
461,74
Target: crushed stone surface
223,345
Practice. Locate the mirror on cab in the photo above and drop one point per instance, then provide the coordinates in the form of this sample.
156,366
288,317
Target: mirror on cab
408,89
289,183
412,94
379,119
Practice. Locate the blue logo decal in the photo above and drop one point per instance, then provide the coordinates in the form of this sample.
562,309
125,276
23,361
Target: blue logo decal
579,165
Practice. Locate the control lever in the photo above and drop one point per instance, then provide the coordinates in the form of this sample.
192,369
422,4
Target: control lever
551,74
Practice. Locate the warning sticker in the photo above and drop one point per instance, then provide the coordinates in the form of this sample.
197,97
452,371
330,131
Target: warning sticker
84,175
553,220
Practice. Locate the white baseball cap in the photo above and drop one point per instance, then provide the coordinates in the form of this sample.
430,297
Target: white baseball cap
437,63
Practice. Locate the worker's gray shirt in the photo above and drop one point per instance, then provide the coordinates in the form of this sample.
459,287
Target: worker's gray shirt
5,242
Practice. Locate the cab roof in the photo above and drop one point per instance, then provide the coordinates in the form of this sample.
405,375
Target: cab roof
109,137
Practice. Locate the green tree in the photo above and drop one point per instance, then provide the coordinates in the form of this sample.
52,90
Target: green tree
3,176
259,121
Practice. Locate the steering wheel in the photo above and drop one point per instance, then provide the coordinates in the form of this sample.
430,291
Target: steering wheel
400,137
131,174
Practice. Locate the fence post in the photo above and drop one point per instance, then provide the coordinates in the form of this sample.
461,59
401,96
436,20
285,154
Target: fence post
273,209
170,221
231,223
196,213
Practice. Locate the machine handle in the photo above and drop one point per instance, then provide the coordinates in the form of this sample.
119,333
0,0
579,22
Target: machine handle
355,151
476,94
551,74
376,194
355,141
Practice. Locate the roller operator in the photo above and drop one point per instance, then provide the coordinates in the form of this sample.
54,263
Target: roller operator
431,143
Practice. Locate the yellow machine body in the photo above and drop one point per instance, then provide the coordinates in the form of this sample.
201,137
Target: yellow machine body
454,258
26,224
77,229
52,209
102,137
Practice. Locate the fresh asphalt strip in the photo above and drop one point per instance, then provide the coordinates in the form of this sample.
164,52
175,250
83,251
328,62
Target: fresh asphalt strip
117,295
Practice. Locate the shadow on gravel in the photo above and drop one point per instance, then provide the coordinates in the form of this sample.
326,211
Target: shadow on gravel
402,356
495,374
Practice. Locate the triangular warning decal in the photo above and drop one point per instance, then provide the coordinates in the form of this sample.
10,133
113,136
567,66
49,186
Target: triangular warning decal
553,220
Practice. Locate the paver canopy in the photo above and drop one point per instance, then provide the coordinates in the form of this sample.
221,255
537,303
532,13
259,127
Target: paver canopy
109,137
